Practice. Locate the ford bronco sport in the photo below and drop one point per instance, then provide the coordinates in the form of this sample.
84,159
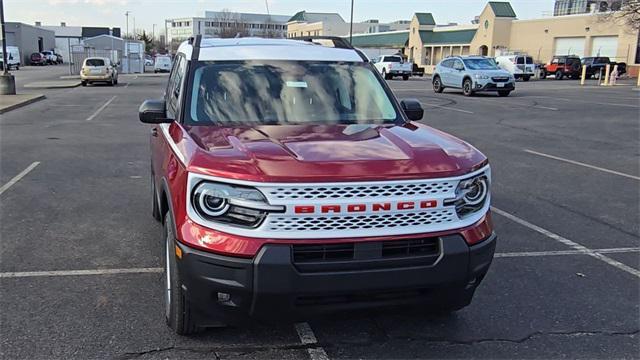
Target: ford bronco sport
290,181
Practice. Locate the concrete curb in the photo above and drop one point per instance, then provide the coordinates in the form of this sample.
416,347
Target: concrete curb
22,103
52,85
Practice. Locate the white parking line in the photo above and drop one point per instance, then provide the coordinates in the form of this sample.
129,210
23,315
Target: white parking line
565,252
587,102
17,178
307,337
581,164
79,272
447,108
101,108
568,242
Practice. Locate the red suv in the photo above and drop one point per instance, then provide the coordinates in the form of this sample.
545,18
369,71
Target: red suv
562,66
290,181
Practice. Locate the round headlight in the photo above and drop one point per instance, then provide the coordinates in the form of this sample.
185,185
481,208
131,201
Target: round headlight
475,191
213,202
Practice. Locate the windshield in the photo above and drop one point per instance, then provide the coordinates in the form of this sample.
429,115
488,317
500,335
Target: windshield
163,60
480,64
287,92
94,62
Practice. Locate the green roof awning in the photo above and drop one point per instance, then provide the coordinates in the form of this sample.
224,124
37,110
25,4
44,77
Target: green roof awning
396,39
502,9
447,37
299,16
425,19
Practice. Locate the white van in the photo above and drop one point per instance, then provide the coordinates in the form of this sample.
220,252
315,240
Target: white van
520,66
162,64
13,53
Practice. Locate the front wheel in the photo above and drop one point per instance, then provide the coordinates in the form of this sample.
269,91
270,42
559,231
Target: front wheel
504,93
543,74
437,85
178,312
526,78
83,83
467,87
559,75
405,77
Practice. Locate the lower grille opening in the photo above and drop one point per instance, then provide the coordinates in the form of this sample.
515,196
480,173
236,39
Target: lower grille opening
410,247
362,297
324,252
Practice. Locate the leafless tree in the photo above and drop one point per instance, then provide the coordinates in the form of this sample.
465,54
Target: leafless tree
231,25
622,12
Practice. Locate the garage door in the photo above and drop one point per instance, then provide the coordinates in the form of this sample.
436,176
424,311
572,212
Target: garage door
570,46
604,46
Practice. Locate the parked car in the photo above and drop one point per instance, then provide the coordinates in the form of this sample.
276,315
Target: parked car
298,184
148,62
98,69
562,66
393,65
51,57
13,55
472,74
520,66
596,65
162,64
417,71
38,59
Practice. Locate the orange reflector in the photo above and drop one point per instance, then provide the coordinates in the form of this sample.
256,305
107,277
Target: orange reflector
178,252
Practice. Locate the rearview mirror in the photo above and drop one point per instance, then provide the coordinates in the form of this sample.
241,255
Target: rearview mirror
153,112
412,108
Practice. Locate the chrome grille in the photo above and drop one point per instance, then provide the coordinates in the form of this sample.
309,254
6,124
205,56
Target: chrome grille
360,222
365,191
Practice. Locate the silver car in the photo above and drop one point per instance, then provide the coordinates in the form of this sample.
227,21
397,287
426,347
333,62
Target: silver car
472,74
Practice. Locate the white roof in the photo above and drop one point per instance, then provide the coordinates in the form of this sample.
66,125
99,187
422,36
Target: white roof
65,31
267,49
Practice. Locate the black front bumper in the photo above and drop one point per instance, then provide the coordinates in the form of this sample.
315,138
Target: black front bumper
509,86
272,286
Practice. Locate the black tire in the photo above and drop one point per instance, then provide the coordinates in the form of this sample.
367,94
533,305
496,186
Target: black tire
83,83
467,87
504,93
178,313
112,82
526,78
437,85
543,74
155,207
116,81
559,75
384,74
405,77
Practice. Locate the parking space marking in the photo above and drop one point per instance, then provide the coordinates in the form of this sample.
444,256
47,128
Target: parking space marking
93,116
307,337
447,108
565,252
23,274
568,242
581,164
17,178
587,102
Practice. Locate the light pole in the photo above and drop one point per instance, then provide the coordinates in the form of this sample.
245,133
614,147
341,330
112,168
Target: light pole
126,14
7,81
153,33
351,24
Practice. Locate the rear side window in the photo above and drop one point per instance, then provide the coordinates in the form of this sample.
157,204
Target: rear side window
94,62
520,60
529,60
447,63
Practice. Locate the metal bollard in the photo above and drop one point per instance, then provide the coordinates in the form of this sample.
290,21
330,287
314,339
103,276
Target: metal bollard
606,75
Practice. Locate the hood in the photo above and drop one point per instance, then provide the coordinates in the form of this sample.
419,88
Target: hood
289,153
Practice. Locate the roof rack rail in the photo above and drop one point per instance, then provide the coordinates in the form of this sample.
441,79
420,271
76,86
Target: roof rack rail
195,41
338,42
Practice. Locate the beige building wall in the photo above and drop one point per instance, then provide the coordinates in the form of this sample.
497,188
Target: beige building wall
538,37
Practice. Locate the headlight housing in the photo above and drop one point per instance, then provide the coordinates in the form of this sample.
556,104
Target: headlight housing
482,76
471,195
231,205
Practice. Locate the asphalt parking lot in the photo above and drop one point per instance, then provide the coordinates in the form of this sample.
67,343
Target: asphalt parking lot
80,256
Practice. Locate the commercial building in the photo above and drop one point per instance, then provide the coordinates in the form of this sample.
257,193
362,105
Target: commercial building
572,7
305,23
68,36
29,39
497,31
226,24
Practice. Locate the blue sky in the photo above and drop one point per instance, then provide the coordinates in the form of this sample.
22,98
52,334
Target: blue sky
147,12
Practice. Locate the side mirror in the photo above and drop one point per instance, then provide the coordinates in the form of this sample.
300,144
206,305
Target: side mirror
412,108
153,112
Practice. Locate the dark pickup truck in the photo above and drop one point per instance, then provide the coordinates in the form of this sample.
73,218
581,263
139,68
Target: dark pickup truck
597,65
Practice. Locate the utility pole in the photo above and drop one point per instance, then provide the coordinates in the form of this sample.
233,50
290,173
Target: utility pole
153,33
126,13
351,24
134,27
7,81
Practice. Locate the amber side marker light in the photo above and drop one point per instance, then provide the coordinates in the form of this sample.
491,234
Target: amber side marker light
178,252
